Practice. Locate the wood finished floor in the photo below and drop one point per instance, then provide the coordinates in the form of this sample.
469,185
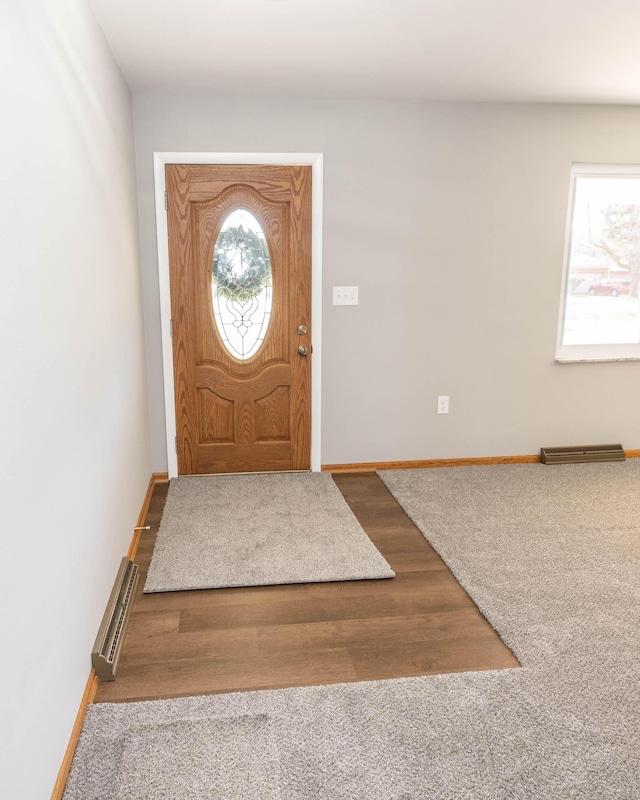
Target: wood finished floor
222,640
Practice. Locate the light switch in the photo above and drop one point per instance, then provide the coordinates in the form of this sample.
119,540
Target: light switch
345,295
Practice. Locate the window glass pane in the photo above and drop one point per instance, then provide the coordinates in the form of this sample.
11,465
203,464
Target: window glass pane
603,270
241,284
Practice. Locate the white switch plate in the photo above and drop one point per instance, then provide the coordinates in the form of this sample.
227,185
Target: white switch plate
345,295
443,404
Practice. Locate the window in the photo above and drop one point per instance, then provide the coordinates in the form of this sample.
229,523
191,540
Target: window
600,305
241,284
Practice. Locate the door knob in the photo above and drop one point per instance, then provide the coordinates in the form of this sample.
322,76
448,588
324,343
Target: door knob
303,350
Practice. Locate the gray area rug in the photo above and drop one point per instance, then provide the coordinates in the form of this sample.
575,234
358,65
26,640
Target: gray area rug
256,530
552,556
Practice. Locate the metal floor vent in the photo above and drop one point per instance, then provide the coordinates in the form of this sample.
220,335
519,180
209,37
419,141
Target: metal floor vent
108,645
582,454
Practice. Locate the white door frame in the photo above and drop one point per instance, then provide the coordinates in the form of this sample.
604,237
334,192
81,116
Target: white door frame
315,160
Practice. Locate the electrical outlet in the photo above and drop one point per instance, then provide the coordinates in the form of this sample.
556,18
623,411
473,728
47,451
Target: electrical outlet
443,404
345,295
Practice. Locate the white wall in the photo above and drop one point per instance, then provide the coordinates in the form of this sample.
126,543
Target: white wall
450,218
74,451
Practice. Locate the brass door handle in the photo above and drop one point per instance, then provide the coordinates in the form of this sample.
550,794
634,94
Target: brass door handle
303,350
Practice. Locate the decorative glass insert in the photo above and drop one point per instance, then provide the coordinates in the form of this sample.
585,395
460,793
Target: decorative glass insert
241,284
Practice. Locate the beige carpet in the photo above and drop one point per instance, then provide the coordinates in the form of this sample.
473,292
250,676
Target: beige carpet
256,530
552,556
197,765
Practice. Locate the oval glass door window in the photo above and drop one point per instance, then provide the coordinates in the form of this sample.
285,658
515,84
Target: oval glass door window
241,284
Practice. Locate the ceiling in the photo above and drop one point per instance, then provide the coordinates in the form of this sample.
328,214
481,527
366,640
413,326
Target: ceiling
570,51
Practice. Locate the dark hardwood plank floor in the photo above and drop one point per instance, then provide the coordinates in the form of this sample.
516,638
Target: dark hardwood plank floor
220,640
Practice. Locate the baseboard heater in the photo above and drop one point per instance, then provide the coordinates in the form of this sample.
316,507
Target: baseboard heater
582,454
108,646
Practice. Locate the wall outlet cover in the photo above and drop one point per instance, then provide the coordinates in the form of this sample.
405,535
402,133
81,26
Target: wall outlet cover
443,404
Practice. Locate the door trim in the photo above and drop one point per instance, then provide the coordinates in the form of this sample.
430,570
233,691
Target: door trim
160,159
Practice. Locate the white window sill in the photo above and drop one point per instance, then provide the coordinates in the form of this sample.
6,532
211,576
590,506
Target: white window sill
595,360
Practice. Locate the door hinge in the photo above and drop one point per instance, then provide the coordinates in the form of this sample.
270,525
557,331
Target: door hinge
176,440
171,328
166,201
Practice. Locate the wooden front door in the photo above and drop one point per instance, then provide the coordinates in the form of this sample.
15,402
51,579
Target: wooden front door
240,263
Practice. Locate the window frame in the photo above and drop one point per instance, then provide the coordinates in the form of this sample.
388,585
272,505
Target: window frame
576,353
